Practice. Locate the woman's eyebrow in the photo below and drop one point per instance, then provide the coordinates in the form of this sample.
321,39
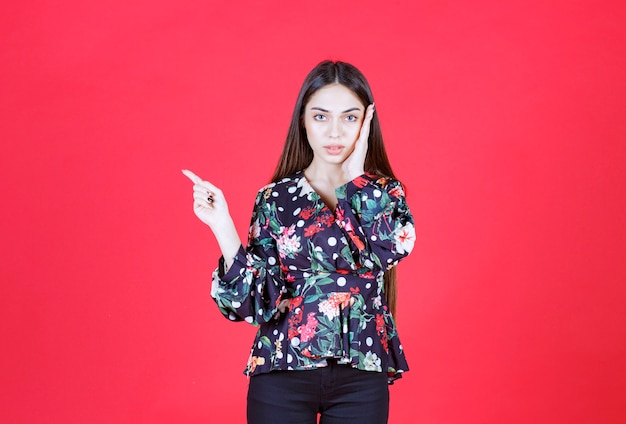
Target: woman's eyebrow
326,111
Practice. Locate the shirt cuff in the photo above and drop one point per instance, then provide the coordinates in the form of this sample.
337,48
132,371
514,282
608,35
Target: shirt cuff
349,189
225,274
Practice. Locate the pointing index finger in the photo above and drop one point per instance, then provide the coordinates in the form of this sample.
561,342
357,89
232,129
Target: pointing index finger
193,177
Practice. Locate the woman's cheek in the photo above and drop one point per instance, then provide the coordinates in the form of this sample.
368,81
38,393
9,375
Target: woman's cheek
351,147
354,134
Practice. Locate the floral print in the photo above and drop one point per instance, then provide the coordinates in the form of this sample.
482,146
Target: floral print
325,269
288,243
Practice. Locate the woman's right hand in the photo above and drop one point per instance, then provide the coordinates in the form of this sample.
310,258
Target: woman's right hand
210,206
209,203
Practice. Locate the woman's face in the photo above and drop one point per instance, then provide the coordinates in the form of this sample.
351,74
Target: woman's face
332,119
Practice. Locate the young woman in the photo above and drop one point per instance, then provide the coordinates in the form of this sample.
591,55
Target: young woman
317,275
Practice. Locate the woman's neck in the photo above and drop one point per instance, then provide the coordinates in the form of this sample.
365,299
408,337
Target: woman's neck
325,175
325,180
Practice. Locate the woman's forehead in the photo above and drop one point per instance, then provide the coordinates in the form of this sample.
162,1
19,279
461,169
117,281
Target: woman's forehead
334,97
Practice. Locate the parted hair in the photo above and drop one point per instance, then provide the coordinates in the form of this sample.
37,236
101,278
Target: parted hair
297,153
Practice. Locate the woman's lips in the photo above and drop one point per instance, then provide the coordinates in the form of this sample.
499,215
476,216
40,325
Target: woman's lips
333,149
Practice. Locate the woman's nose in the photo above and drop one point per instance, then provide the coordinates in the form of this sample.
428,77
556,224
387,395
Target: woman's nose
335,128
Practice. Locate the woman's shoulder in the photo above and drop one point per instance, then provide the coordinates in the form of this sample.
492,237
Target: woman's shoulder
287,184
283,183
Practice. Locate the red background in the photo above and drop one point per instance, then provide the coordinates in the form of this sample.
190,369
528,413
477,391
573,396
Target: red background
506,120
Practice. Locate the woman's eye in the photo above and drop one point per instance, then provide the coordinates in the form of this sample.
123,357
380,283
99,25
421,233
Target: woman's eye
319,117
351,118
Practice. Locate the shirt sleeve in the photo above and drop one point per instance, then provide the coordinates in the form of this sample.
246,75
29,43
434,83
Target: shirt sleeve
373,213
252,287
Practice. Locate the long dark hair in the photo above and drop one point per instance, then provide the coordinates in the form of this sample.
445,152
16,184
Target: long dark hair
297,153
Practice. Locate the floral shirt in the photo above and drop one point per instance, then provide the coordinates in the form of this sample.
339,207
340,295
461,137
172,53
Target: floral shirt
329,266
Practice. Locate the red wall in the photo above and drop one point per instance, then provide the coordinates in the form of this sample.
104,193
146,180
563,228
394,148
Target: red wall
506,120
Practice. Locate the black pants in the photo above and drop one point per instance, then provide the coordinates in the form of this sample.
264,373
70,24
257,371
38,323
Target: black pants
339,393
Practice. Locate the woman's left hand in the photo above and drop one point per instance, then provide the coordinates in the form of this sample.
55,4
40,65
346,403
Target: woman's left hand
354,164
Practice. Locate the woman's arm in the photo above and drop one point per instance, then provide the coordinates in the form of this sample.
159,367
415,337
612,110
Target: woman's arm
247,284
373,213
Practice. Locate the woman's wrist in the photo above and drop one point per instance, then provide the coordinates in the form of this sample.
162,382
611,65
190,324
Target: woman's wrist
228,240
